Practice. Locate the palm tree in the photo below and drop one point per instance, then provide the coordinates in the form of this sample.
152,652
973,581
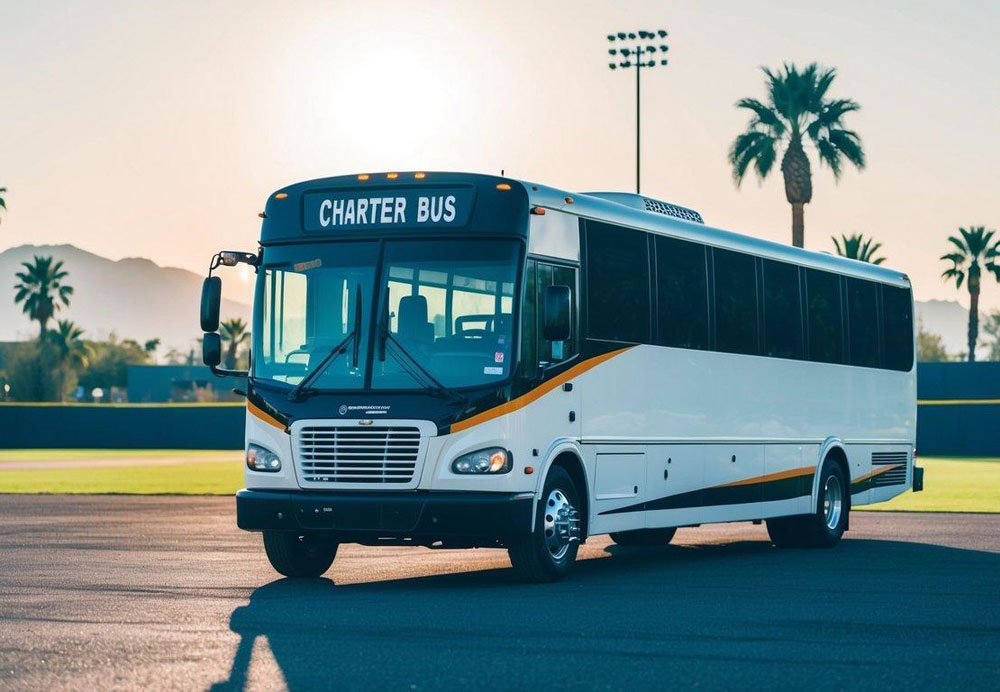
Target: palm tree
796,109
234,331
857,247
41,289
72,350
975,245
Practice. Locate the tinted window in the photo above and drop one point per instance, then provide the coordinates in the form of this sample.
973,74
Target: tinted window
897,321
617,283
735,302
682,293
529,330
862,314
551,275
824,317
782,310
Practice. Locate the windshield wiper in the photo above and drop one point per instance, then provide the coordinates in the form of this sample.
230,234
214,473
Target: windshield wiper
306,384
415,370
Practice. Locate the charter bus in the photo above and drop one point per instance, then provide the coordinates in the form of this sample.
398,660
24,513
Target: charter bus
462,360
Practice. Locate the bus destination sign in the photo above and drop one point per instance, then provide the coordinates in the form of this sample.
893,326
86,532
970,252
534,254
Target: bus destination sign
387,208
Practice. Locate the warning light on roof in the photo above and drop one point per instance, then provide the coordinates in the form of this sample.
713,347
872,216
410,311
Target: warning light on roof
503,186
392,176
363,177
281,195
419,176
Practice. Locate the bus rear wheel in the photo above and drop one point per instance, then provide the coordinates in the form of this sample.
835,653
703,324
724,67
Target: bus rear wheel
299,555
824,527
644,536
548,553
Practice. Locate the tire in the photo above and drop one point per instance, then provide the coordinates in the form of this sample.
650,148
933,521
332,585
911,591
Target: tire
824,527
644,536
299,555
548,553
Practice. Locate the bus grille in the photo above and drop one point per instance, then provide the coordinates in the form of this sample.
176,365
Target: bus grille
896,476
337,454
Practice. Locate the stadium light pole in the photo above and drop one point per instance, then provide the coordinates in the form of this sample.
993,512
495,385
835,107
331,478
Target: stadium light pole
637,53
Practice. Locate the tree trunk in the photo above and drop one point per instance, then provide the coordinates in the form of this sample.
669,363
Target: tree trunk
973,323
798,224
42,323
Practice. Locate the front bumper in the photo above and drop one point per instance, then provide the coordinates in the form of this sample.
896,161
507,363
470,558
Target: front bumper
454,518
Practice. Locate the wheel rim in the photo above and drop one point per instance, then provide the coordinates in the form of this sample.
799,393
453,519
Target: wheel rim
833,502
561,524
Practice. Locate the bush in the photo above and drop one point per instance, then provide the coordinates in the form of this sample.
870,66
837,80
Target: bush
32,371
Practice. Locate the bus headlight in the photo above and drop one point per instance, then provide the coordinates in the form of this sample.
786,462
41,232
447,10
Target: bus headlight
260,459
490,460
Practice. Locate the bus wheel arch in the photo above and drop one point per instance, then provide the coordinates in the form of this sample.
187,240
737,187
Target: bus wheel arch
833,450
570,460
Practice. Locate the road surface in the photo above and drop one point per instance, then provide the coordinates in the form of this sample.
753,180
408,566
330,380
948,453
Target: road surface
164,592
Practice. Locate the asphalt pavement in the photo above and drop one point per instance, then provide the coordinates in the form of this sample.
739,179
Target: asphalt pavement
165,592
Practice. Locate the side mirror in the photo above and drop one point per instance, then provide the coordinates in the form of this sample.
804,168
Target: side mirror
211,298
556,313
211,349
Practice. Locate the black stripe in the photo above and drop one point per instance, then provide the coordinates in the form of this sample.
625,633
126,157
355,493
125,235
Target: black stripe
765,491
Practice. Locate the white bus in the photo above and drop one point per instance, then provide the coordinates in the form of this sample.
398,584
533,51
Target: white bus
459,360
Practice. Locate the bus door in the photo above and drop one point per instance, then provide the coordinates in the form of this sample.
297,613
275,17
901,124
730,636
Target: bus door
558,413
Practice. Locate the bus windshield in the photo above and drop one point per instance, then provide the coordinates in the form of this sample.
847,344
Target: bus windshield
445,308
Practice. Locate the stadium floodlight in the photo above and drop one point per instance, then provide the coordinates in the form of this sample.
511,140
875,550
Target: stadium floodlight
638,56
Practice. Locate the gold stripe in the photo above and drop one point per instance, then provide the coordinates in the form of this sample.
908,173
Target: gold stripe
957,402
791,473
266,417
876,472
536,393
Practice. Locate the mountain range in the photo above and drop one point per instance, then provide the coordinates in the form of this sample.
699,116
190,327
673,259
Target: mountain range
134,297
139,299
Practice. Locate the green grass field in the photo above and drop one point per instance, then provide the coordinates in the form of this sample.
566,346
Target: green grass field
951,484
967,484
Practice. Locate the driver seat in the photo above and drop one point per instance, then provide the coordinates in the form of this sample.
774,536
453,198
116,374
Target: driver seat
412,324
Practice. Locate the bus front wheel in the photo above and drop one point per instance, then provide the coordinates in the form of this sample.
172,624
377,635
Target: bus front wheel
548,553
299,555
824,527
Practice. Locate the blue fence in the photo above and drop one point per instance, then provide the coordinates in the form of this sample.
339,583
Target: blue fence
121,426
959,409
959,414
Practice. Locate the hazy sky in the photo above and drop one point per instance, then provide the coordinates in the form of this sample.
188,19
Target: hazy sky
158,129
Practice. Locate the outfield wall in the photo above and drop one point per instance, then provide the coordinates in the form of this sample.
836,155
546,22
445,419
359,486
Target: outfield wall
959,414
959,409
122,426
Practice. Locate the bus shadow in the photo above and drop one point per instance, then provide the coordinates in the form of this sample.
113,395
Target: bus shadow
397,632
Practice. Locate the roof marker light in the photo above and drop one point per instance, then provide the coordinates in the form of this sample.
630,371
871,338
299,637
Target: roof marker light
538,211
281,195
262,215
419,176
569,200
363,177
503,186
392,176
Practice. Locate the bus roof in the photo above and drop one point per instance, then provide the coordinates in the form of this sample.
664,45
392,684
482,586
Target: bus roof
283,221
596,208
